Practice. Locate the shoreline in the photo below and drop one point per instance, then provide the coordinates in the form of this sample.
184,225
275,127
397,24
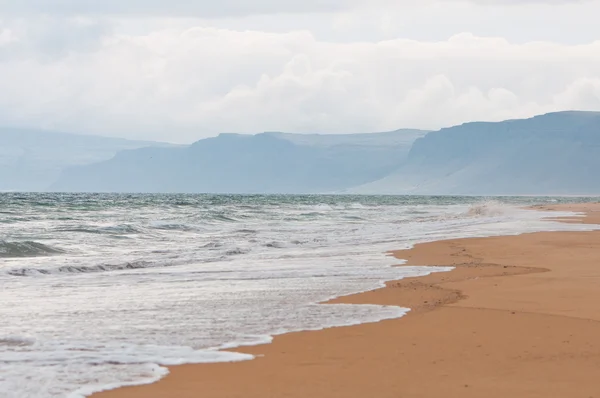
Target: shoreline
507,331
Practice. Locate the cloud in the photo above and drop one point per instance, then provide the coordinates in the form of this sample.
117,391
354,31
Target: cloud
222,8
6,37
43,36
583,94
182,84
199,8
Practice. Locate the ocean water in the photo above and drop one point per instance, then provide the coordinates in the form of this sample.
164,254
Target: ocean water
100,291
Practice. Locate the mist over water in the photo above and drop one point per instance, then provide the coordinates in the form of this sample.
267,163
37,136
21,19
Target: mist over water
99,290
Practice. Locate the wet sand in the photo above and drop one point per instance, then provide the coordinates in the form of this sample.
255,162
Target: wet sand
518,317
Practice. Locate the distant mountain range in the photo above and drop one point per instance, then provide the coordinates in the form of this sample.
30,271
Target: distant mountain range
262,163
553,154
30,160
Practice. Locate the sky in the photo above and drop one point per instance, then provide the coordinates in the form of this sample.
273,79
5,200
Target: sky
182,70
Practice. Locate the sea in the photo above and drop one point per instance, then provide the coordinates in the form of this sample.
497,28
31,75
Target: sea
99,291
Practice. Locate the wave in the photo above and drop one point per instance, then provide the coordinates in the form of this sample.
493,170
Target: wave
311,214
122,229
299,242
213,245
129,265
322,207
220,217
26,249
237,251
166,226
285,245
80,269
276,245
490,208
487,209
11,341
246,231
354,218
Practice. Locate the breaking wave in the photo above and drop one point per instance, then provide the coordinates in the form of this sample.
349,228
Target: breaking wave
167,226
74,269
237,251
489,208
122,229
11,341
276,245
26,249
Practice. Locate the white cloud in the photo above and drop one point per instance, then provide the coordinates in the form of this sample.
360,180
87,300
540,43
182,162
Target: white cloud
582,94
353,67
6,37
182,84
224,8
201,8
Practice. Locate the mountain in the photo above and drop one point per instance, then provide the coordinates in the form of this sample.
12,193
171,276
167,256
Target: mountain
30,160
262,163
400,138
552,154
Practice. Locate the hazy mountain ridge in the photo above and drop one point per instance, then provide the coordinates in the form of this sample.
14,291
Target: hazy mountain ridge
404,137
262,163
553,154
30,160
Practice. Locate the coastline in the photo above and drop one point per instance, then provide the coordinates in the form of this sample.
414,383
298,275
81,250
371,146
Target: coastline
471,332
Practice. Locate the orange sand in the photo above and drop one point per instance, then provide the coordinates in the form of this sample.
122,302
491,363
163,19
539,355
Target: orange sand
473,332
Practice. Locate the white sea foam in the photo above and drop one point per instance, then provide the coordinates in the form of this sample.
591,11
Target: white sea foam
179,283
489,208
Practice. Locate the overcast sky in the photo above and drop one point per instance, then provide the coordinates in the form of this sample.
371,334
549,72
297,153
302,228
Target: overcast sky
181,70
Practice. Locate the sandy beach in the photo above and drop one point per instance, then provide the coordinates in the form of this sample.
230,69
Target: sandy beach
519,316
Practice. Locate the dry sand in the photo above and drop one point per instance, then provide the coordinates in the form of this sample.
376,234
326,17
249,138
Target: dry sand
518,317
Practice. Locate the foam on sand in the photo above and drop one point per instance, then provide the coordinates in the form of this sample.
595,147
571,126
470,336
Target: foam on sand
114,308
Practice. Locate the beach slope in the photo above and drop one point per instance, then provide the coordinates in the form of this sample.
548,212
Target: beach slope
519,316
